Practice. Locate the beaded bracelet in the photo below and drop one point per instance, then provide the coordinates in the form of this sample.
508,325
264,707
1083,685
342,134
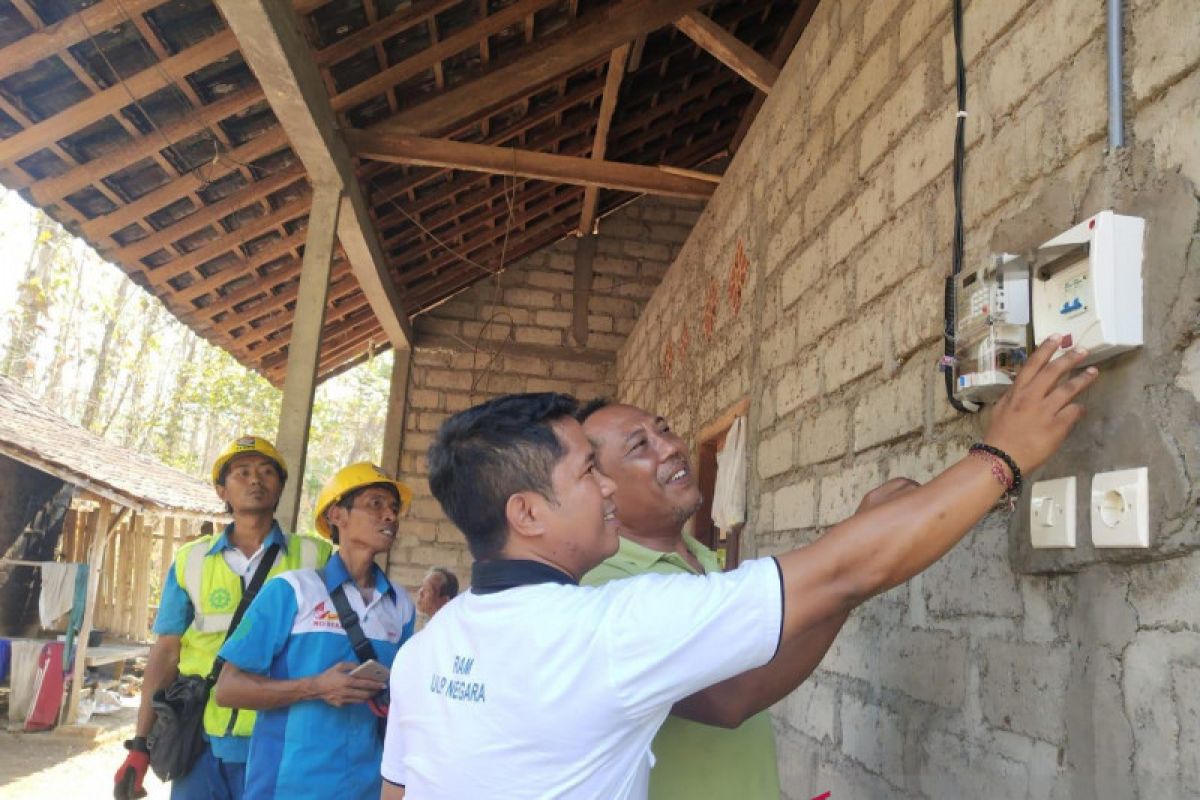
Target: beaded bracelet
1011,480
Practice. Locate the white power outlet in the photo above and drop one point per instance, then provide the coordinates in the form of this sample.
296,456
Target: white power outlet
1052,513
1120,508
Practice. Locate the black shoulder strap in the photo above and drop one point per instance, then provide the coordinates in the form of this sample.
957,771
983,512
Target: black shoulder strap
358,639
248,595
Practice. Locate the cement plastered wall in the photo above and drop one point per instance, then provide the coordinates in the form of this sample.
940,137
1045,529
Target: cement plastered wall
999,672
513,334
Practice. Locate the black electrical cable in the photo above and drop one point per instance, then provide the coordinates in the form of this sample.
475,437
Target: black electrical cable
956,256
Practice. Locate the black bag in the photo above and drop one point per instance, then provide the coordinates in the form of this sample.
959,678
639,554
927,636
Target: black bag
177,738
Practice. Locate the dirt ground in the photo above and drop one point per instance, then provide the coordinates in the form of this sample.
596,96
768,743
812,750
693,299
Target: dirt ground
46,766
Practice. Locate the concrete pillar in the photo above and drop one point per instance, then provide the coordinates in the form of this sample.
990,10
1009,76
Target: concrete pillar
308,319
393,426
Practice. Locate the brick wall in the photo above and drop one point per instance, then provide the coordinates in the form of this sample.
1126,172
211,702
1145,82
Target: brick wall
993,674
512,333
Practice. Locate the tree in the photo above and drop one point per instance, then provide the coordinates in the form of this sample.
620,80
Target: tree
32,302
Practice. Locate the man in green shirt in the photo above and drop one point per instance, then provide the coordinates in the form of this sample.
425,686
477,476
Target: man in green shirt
655,495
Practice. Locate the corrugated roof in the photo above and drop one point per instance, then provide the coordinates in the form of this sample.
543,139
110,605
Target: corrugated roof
35,435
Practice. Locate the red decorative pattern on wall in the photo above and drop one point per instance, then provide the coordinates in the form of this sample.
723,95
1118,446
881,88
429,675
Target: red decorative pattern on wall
737,277
685,340
668,359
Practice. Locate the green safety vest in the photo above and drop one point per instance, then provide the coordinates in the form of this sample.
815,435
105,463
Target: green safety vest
215,591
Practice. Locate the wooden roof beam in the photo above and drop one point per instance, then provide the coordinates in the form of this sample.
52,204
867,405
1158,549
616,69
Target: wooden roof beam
231,241
397,22
730,51
584,40
579,96
281,59
779,56
46,42
426,59
207,216
176,189
402,149
608,104
249,267
105,103
48,190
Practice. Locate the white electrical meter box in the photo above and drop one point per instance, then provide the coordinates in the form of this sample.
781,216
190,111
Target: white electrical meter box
991,328
1087,284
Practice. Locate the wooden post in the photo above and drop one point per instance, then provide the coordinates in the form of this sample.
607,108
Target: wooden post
168,549
295,414
139,557
100,530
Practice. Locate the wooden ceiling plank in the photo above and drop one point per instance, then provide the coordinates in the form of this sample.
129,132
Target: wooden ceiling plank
608,104
729,50
376,33
48,190
207,216
231,241
435,54
281,247
116,97
177,189
581,42
47,41
498,230
402,149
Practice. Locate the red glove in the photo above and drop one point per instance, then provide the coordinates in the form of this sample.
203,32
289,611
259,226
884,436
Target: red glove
132,772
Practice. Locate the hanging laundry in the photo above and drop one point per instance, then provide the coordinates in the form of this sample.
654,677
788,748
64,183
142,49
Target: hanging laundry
729,493
58,591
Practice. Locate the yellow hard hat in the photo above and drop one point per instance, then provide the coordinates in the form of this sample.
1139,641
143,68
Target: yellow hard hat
247,444
356,476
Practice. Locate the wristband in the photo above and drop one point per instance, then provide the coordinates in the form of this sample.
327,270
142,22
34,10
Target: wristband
137,745
1017,483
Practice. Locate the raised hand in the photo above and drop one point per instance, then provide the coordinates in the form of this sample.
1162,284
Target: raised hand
1034,417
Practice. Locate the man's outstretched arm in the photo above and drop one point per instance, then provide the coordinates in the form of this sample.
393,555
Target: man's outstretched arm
731,702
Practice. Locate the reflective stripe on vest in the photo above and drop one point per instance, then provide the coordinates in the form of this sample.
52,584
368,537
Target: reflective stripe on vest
215,591
193,579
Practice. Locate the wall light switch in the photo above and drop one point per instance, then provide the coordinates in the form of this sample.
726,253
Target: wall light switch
1052,513
1121,508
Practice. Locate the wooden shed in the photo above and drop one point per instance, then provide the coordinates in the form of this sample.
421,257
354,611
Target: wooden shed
126,516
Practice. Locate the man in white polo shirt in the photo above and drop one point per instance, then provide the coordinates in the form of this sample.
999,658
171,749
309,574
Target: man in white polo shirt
529,686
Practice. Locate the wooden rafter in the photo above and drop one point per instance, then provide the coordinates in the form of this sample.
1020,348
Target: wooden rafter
583,41
103,104
47,41
401,149
726,48
176,189
608,104
208,216
426,59
48,190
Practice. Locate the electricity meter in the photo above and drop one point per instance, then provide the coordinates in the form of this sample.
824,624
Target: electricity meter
991,331
1087,284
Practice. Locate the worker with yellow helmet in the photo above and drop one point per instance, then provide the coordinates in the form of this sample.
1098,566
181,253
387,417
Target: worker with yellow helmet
200,597
313,652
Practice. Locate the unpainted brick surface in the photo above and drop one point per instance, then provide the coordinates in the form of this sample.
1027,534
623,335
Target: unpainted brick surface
975,680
